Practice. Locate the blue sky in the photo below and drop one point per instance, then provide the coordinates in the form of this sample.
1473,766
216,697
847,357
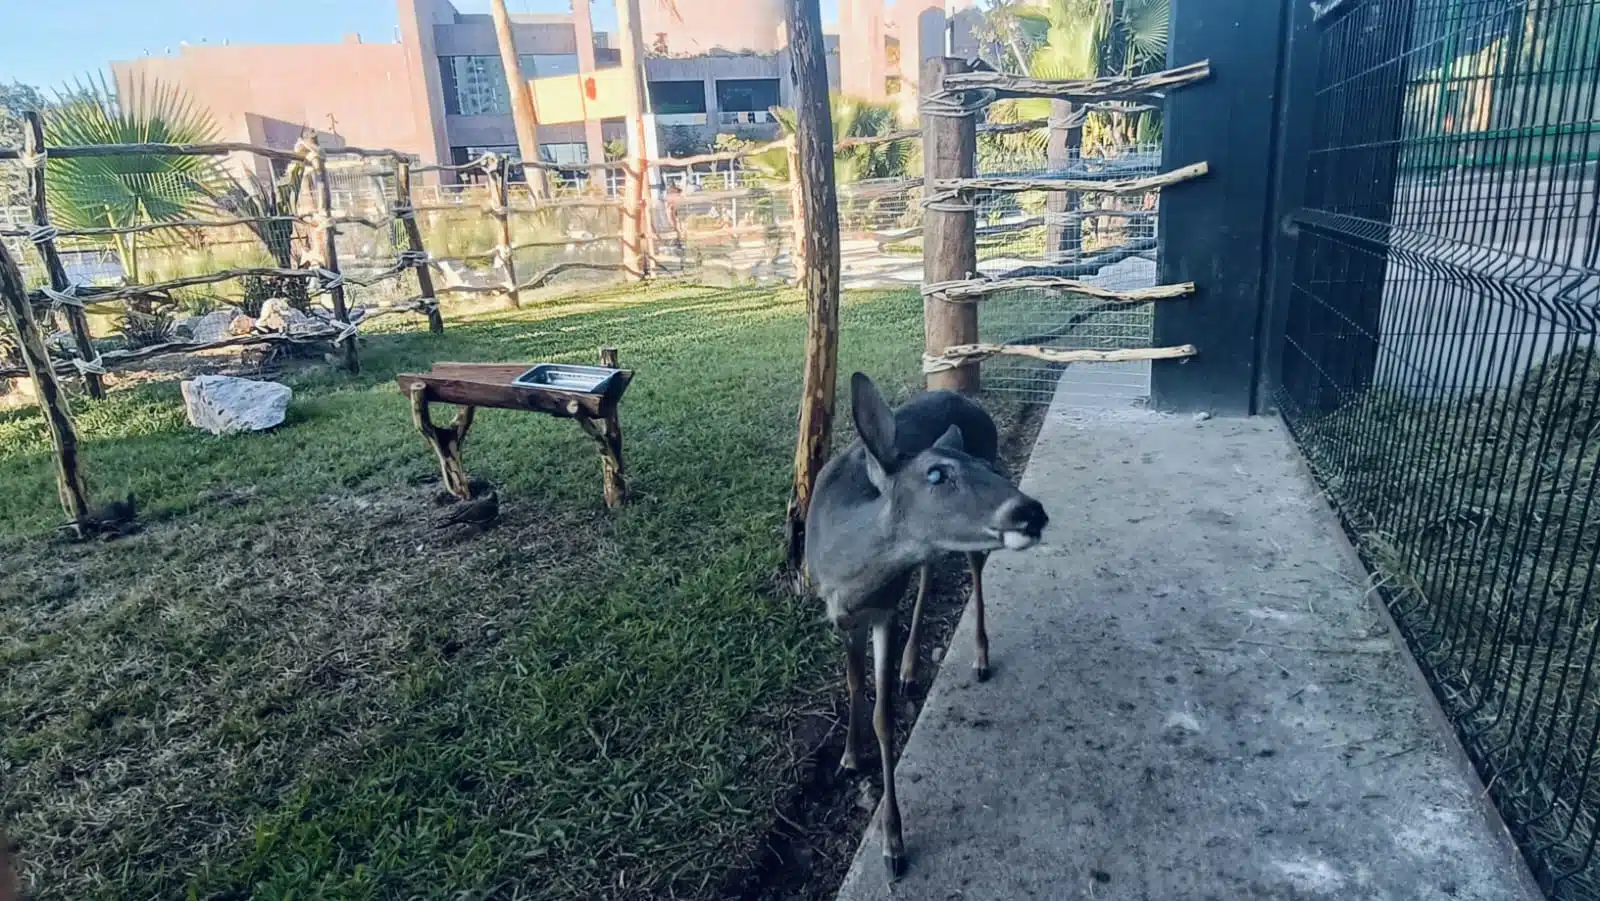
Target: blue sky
50,42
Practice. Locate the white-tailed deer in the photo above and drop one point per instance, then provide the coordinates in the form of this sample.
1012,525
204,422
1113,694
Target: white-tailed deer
920,481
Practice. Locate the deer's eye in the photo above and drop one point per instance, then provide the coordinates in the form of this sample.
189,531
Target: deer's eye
937,475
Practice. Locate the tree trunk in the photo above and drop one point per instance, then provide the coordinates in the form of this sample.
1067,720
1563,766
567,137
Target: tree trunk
1064,235
523,114
814,143
634,258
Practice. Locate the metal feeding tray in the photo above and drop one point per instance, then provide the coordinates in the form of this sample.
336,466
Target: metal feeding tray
564,377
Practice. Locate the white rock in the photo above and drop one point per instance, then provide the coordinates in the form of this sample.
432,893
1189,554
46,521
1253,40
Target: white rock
222,404
212,326
278,316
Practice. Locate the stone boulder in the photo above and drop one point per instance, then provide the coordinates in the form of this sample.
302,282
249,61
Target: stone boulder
223,405
213,326
278,316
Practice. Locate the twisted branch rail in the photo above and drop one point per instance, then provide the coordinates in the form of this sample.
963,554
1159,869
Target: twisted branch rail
964,354
973,289
946,190
1138,87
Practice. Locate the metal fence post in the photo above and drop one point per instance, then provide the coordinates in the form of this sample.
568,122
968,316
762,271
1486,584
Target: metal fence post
1212,231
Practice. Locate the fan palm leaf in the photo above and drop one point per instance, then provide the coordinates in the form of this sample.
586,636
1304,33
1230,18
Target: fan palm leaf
135,189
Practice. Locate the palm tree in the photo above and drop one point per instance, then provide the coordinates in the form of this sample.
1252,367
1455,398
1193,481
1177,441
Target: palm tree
852,118
1087,39
123,191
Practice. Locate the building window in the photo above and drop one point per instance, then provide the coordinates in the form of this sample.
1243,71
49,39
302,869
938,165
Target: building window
747,95
568,154
474,86
544,65
674,98
891,85
891,52
460,156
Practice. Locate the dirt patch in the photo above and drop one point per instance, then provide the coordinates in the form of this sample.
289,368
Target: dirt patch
819,823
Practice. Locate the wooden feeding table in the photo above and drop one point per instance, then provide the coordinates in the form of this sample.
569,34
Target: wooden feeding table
588,394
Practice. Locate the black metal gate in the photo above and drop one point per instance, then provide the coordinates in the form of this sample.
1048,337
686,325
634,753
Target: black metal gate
1432,294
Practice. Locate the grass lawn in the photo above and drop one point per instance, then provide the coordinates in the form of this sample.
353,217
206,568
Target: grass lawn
290,684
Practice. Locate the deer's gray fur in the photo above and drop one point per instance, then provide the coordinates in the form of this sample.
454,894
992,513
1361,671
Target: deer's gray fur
919,481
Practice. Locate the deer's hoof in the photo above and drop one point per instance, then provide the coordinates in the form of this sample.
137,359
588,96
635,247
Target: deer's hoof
908,686
849,765
980,671
895,865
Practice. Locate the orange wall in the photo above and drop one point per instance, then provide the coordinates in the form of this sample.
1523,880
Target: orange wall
366,88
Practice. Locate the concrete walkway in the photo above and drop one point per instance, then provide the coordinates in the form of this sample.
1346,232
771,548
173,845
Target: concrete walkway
1193,700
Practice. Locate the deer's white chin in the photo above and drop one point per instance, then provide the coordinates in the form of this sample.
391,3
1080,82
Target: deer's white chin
1017,541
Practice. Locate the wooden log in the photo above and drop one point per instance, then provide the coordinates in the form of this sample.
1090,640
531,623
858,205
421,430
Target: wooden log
606,430
446,441
70,485
480,385
498,169
68,151
949,245
77,319
820,206
408,218
322,198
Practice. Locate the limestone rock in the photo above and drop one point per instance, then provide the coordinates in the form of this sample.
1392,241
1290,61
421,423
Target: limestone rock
224,405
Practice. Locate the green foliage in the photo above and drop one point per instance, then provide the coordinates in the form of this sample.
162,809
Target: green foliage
852,118
1084,39
120,191
260,199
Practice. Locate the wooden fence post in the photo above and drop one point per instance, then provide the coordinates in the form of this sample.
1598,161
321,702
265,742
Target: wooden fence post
322,197
408,217
797,210
949,242
34,157
498,169
820,204
52,402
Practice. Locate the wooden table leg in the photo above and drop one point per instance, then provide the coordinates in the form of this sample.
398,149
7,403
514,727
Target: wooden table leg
446,441
608,432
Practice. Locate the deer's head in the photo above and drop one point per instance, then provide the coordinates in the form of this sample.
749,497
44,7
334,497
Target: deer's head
941,498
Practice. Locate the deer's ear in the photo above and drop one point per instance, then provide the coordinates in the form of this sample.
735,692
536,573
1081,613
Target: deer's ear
874,422
951,440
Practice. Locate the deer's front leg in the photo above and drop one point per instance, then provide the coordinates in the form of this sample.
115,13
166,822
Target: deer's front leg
855,652
980,666
908,659
894,848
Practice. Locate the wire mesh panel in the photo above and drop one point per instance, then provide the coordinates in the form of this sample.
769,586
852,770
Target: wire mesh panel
1100,239
1438,368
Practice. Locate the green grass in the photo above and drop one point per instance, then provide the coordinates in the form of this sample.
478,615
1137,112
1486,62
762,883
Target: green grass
291,685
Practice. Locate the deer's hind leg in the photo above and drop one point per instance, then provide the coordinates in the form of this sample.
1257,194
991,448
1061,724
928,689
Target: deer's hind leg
908,658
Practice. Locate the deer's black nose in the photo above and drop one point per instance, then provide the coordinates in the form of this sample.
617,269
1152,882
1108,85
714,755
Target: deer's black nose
1029,518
